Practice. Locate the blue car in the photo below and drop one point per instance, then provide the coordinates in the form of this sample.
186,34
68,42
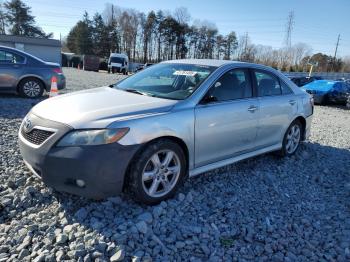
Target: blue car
325,91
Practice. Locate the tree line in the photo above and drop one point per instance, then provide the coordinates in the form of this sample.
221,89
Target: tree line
153,37
16,19
163,35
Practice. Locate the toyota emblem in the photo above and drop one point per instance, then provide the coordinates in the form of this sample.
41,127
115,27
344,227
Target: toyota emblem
27,125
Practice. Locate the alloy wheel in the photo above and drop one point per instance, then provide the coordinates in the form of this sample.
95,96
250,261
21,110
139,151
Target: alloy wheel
161,173
31,89
293,139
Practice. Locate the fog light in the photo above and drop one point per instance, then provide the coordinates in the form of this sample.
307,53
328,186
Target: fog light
80,183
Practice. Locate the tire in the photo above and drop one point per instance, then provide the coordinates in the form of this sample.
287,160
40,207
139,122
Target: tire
31,88
149,176
286,149
324,100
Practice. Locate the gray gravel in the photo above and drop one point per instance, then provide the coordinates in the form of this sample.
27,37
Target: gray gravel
262,209
79,79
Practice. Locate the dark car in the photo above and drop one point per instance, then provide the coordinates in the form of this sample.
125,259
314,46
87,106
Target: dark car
325,91
301,81
27,75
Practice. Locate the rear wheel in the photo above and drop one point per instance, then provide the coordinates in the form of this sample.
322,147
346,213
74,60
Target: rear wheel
157,172
291,139
324,100
31,88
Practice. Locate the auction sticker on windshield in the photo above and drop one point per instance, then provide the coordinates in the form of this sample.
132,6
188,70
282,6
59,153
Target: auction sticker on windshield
184,73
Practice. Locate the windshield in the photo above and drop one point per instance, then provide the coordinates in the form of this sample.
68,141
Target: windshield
117,60
172,81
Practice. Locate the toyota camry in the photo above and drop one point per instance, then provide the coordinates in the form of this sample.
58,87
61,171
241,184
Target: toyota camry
173,120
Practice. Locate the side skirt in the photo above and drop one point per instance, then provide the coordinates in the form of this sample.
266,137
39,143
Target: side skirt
221,163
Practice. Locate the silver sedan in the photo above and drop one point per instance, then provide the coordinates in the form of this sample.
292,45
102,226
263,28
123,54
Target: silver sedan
148,132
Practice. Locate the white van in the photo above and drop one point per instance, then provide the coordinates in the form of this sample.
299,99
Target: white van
118,63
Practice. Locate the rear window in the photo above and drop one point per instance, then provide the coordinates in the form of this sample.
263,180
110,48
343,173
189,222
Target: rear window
268,85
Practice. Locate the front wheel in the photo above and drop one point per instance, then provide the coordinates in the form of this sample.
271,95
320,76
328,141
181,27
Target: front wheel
157,172
291,139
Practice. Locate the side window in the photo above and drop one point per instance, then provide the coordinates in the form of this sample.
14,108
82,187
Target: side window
3,57
285,89
268,85
7,57
234,84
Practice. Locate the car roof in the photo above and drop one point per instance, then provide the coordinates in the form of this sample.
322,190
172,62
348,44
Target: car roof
205,62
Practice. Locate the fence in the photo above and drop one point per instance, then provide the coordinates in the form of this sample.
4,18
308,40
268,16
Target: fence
324,75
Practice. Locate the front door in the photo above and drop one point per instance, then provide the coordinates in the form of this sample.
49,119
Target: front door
226,120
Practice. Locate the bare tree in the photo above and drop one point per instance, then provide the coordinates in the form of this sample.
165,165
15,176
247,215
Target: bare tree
182,15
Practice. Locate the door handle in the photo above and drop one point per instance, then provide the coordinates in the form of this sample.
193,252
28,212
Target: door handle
292,102
252,109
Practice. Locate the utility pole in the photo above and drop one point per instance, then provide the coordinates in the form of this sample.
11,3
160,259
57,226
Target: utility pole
245,42
289,29
288,41
335,52
112,14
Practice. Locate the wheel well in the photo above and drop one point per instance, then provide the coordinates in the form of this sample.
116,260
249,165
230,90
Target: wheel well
174,139
28,77
303,125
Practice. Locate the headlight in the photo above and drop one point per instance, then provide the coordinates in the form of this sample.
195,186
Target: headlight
92,137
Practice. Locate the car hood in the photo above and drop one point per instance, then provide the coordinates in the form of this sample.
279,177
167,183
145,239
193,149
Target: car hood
320,85
99,107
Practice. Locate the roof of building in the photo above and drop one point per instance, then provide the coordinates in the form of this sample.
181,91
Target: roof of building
30,40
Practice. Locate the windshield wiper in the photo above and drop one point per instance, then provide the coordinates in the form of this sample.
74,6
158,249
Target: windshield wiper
137,92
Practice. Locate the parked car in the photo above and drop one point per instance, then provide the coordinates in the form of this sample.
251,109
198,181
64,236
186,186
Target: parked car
118,63
147,65
143,66
301,81
325,91
147,132
26,74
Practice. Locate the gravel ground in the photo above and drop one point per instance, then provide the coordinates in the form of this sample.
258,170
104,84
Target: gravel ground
79,79
261,209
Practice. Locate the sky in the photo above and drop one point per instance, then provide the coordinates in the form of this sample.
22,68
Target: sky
316,22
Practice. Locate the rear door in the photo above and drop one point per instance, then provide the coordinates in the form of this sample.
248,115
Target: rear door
278,106
11,69
226,120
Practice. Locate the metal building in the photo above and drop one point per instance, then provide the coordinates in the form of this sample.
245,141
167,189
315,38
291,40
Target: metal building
46,49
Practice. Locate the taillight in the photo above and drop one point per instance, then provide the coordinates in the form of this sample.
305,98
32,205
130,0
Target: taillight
57,70
312,103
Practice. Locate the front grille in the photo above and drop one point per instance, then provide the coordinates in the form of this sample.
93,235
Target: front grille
36,136
310,91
